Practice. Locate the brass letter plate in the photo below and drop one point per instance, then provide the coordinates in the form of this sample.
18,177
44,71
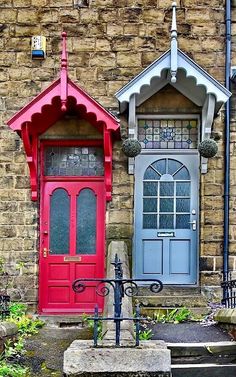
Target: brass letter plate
72,259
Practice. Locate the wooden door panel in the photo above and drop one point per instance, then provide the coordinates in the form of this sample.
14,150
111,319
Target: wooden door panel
60,271
58,294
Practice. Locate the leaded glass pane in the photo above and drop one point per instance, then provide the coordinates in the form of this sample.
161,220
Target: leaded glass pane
150,188
59,222
182,221
75,161
168,133
160,166
151,174
149,221
166,188
173,166
171,206
86,222
166,205
182,205
182,174
182,188
149,205
166,221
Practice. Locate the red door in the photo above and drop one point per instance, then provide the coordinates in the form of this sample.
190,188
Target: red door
72,245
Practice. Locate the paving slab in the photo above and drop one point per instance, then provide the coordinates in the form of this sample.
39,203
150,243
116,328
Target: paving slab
188,332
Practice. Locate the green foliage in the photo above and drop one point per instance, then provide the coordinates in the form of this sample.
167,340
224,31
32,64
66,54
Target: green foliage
26,324
13,348
12,370
90,324
17,309
177,315
145,334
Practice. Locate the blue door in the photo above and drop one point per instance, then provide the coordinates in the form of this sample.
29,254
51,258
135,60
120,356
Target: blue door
166,218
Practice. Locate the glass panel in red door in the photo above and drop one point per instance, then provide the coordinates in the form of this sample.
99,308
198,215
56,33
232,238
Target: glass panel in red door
71,246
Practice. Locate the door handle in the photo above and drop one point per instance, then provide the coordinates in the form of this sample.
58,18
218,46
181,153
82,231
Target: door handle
194,224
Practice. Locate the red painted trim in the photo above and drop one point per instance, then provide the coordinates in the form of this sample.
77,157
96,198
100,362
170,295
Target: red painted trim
31,158
48,107
64,77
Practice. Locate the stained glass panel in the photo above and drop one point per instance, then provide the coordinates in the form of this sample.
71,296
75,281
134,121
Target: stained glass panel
75,161
59,222
168,133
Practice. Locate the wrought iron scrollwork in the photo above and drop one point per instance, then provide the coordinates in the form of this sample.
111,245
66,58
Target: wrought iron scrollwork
120,288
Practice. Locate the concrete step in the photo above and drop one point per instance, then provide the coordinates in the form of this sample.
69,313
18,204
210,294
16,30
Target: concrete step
203,370
210,359
172,301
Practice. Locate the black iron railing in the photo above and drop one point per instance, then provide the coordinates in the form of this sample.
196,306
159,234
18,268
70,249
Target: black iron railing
120,288
4,306
229,290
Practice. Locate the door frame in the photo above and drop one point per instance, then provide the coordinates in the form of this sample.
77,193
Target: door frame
170,152
61,179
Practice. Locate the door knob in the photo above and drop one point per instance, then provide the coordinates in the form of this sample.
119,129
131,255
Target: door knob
194,224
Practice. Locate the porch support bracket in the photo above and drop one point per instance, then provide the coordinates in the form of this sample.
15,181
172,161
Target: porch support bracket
107,162
31,158
208,111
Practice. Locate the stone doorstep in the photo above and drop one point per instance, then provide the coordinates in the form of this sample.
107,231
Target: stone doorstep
203,370
202,349
159,301
151,310
82,359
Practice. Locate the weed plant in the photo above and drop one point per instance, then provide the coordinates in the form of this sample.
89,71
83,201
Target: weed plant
14,349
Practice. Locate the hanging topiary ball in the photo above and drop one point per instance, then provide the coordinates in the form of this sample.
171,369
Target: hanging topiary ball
208,148
131,147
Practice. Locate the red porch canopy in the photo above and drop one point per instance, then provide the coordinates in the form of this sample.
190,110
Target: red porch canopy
61,97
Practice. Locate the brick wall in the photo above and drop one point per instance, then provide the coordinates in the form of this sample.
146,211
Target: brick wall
108,42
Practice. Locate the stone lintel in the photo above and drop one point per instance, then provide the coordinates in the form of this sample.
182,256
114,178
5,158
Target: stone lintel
151,358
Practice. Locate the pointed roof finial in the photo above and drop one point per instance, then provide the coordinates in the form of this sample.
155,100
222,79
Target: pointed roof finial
174,45
64,73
